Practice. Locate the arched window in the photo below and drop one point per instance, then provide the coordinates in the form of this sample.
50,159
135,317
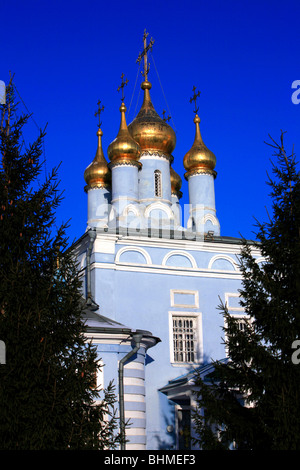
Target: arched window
157,183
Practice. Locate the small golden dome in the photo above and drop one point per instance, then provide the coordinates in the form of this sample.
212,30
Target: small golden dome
199,157
98,174
124,149
149,130
175,182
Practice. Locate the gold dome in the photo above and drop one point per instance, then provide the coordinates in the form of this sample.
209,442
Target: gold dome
149,130
124,149
199,158
97,174
175,182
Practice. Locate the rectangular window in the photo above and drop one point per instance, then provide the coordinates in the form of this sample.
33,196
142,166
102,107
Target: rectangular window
157,183
184,298
242,320
241,324
184,338
233,302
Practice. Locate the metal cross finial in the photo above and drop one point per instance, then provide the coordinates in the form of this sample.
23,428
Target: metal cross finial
144,54
97,113
194,98
166,119
123,84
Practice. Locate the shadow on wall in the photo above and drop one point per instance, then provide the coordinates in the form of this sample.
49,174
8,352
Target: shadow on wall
176,420
167,425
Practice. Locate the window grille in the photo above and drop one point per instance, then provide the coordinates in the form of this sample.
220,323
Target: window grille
157,183
184,339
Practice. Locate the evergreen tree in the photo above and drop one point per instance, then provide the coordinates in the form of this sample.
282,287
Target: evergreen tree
253,399
48,398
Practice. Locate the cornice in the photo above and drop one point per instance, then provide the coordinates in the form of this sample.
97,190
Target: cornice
200,171
156,154
124,162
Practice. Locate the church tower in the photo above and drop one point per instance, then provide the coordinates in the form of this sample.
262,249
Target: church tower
139,189
157,141
124,153
199,163
98,184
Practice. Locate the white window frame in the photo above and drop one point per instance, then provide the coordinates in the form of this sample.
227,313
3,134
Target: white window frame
197,317
229,295
193,293
236,312
100,374
240,317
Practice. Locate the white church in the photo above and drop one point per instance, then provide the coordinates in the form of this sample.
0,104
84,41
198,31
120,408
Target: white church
152,285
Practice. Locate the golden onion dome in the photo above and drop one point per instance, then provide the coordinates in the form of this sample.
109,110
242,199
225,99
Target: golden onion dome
97,174
199,158
124,149
175,182
149,129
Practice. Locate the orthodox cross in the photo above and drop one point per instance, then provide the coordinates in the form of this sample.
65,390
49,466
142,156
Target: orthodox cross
123,84
144,54
194,98
97,113
164,117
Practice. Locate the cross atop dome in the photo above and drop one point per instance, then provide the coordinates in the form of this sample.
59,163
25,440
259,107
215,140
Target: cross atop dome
194,98
97,113
144,54
122,86
166,119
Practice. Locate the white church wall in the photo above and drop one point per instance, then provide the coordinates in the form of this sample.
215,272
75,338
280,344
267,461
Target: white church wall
138,292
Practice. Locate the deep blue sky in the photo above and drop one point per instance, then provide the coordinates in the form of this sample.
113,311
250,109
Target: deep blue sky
242,55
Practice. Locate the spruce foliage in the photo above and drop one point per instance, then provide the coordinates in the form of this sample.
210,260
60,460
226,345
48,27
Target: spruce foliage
48,398
253,400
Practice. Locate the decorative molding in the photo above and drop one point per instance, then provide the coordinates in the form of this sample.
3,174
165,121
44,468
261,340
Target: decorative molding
137,250
210,217
198,246
179,253
225,257
156,154
131,208
99,185
169,270
159,206
204,219
135,163
200,171
195,293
